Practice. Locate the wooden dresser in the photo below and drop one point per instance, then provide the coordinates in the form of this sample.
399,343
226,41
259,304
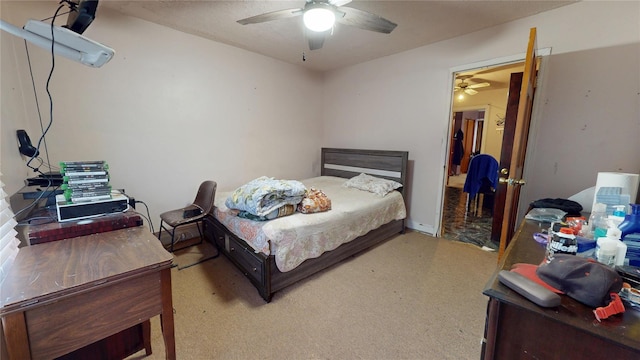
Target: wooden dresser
516,328
63,295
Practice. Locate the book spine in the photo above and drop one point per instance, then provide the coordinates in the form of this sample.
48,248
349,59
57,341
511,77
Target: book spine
85,173
85,193
89,198
82,163
86,187
86,181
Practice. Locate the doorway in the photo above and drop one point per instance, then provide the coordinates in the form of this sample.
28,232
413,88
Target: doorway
479,103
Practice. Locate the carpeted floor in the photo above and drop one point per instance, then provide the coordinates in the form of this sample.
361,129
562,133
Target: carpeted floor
412,297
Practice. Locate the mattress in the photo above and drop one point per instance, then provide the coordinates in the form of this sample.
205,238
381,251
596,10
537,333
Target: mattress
293,239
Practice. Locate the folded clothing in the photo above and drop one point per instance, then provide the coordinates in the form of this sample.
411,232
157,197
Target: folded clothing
284,210
263,195
571,207
314,201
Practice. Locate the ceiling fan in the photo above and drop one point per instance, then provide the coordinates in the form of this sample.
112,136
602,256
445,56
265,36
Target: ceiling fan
466,87
319,16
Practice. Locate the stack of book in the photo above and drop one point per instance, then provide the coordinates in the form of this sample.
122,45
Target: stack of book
85,181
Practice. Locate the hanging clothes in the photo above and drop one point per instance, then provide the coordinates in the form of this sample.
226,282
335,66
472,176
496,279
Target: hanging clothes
458,147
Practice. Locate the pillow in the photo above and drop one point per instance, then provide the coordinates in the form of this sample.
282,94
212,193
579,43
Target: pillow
372,184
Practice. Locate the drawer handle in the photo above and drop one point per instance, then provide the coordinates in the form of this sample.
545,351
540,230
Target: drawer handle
255,269
233,249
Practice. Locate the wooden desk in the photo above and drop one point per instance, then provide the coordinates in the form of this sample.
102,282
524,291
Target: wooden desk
519,329
63,295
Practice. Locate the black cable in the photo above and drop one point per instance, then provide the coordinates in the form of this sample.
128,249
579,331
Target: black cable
49,189
64,13
35,95
53,65
148,217
44,131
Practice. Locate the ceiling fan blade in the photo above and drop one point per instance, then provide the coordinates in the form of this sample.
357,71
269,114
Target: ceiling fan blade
339,2
366,21
316,39
470,91
270,16
477,86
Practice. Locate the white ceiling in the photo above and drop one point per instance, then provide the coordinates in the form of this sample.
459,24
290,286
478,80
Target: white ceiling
420,22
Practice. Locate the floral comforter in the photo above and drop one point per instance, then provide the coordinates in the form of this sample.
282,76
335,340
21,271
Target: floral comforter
293,239
264,195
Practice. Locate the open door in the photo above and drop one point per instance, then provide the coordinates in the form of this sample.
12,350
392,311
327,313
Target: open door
510,119
514,172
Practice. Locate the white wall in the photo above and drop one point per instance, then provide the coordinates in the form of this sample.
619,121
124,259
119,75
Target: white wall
403,101
590,120
495,102
169,111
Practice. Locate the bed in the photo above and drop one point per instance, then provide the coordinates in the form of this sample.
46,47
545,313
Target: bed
264,261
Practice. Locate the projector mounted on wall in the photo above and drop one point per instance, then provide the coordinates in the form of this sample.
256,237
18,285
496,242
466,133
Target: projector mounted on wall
65,42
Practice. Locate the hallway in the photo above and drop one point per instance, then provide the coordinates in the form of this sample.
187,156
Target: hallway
458,224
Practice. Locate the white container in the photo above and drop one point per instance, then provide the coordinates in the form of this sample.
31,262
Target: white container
607,250
621,254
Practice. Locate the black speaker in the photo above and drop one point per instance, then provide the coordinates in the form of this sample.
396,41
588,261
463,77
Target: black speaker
25,147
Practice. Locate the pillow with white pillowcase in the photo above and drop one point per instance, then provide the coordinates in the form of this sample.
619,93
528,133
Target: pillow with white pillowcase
372,184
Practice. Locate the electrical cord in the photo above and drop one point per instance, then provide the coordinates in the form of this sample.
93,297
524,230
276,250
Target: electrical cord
53,65
44,130
148,217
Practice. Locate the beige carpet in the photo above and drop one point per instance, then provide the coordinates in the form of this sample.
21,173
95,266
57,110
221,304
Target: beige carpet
412,297
193,252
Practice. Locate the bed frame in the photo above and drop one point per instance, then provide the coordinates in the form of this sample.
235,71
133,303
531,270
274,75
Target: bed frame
262,270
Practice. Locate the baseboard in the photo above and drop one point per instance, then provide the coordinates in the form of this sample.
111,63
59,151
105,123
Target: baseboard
428,229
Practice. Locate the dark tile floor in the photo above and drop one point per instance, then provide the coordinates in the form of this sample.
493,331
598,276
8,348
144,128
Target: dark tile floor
461,225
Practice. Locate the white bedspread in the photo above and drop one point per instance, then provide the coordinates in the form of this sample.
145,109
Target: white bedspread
295,238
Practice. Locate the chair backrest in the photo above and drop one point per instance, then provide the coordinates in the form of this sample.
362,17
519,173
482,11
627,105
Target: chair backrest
481,166
206,196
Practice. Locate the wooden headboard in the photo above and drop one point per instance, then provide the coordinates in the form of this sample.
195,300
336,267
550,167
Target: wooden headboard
348,163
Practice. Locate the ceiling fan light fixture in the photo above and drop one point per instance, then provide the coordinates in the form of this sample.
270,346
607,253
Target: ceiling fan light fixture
319,18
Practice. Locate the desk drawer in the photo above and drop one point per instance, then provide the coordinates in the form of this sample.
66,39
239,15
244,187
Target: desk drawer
81,319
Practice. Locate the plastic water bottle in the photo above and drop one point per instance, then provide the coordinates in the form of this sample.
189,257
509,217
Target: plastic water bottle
598,221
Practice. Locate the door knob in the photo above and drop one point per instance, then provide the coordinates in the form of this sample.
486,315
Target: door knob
511,182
